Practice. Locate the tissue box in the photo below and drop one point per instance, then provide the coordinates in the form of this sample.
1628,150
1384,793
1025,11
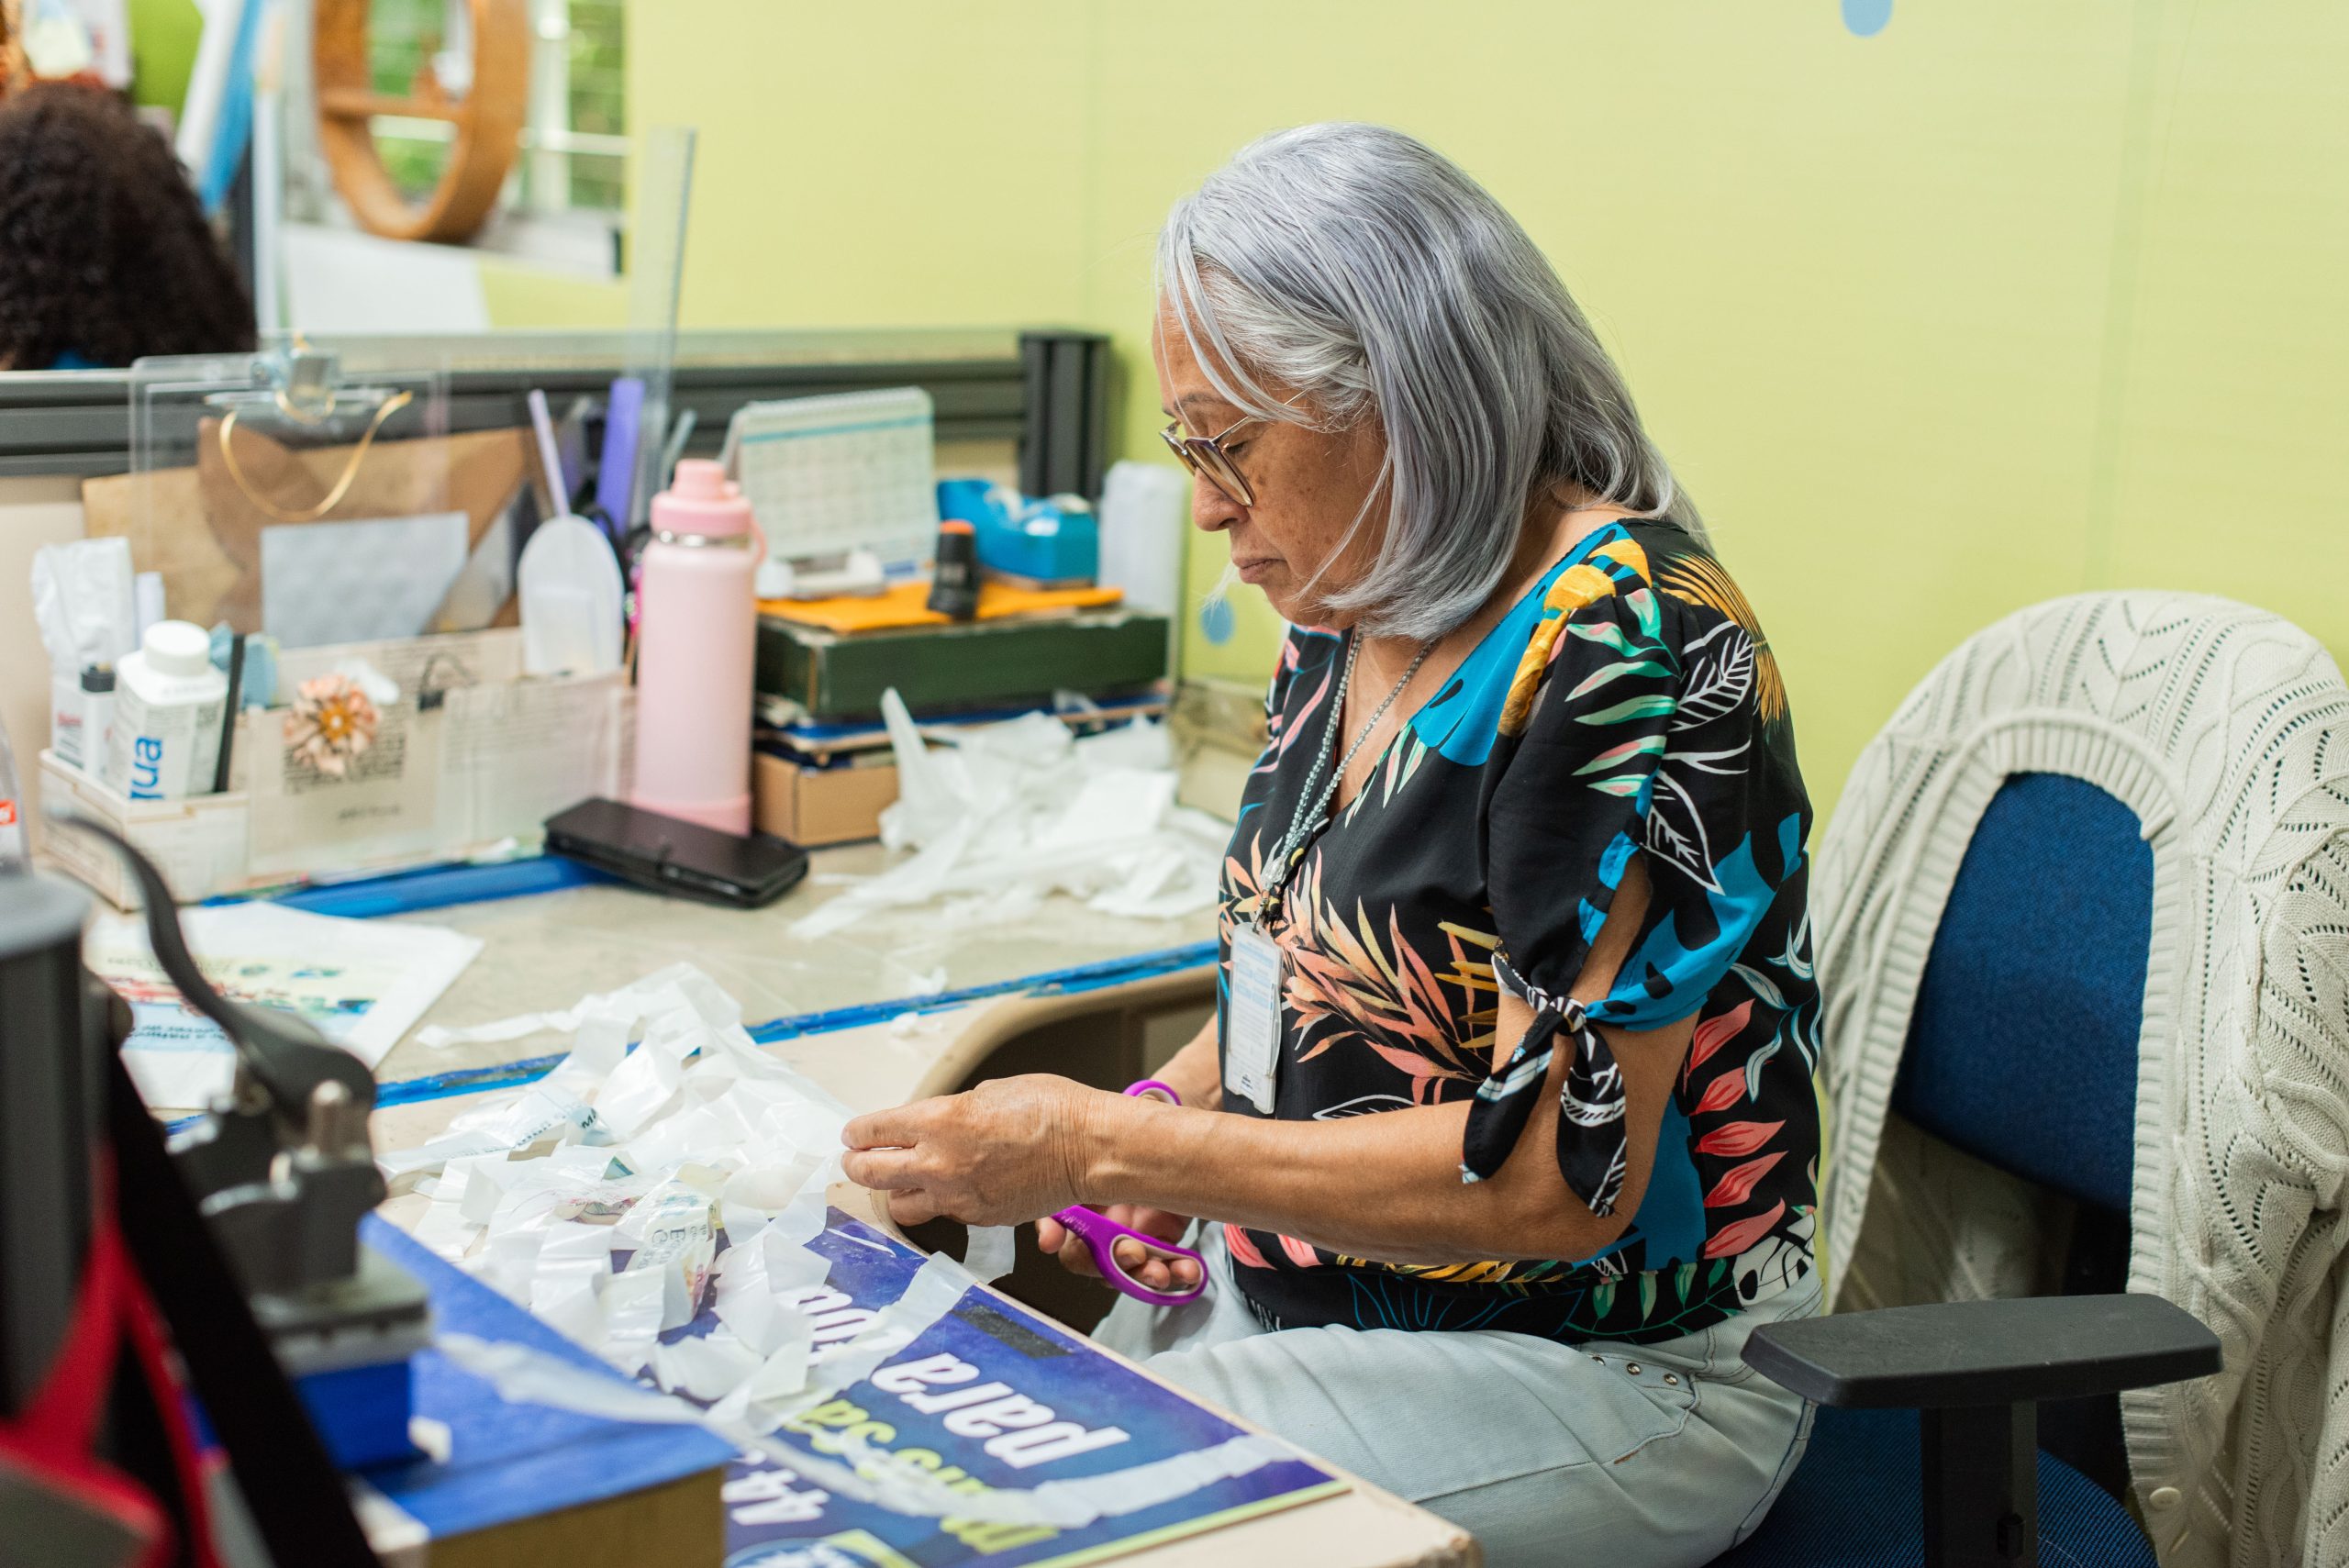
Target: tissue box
813,807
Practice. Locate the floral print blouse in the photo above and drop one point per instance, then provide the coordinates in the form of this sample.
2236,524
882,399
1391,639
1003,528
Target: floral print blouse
1628,705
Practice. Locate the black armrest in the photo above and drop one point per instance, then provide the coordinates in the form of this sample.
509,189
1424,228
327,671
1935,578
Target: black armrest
1985,1353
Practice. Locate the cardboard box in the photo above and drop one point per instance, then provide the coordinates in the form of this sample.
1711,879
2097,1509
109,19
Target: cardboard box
813,807
487,762
199,842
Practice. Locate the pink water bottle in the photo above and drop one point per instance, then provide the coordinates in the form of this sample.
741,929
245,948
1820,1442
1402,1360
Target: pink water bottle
696,639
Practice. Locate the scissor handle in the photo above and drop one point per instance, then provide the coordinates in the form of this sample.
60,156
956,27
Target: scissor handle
1102,1234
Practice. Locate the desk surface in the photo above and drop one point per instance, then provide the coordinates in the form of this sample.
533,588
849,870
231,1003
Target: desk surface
545,952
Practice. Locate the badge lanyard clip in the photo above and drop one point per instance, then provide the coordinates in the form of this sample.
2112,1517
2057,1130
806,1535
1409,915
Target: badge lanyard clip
1258,971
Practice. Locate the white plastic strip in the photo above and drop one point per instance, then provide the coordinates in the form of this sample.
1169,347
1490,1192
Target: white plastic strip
989,1254
652,1153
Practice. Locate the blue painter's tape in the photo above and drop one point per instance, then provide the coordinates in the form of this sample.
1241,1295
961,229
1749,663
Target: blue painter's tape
509,1460
362,1412
437,887
1070,981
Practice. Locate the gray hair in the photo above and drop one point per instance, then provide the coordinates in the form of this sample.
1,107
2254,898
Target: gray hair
1367,272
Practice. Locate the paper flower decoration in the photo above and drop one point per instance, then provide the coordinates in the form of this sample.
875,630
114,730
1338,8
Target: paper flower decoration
332,722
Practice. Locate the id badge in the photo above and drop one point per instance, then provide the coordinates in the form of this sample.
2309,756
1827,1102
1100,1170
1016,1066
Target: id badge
1253,1020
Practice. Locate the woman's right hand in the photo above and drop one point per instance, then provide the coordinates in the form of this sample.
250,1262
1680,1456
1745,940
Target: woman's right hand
1158,1273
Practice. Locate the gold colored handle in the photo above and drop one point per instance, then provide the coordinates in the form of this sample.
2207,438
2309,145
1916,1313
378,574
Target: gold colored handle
342,487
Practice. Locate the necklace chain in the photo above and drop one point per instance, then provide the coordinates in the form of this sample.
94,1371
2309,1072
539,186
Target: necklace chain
1308,820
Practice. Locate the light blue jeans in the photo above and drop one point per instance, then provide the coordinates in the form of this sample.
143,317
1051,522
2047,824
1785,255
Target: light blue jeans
1547,1453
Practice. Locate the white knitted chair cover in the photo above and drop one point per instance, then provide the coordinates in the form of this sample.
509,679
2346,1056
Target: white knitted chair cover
2226,730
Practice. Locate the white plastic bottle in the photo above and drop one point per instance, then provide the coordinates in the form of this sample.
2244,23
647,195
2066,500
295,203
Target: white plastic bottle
1145,516
168,700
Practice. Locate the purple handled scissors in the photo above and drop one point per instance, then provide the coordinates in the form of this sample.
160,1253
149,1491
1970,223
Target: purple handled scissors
1101,1234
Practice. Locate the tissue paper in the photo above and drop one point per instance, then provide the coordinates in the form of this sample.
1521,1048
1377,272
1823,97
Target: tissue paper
83,605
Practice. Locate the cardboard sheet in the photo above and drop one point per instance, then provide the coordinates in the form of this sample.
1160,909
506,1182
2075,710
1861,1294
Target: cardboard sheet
198,527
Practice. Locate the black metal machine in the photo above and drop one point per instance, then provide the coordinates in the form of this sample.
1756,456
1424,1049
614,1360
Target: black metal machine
242,1229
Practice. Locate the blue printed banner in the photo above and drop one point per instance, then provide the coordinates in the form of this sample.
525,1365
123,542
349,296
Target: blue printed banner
990,1396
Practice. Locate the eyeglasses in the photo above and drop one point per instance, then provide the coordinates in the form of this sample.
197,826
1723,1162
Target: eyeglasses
1204,455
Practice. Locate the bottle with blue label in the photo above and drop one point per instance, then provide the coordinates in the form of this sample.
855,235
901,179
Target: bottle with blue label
167,707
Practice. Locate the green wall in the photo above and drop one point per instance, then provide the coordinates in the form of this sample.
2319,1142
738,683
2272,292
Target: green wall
2007,301
163,35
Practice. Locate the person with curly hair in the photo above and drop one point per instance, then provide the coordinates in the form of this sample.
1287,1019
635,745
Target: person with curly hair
105,255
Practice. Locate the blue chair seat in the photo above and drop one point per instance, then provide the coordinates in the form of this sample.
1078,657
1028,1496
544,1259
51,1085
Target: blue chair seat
1855,1502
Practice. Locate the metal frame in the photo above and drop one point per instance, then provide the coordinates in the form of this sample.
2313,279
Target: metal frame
1065,448
51,1096
986,386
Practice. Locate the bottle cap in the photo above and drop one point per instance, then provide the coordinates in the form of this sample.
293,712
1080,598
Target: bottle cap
98,678
176,648
956,525
701,500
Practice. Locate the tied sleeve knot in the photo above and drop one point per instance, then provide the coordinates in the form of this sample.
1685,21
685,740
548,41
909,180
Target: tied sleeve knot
1593,1152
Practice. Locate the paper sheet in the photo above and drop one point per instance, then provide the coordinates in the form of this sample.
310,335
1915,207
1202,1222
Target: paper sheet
794,1444
513,755
362,983
359,581
851,470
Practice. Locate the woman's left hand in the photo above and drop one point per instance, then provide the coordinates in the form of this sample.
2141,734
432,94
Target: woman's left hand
1011,1150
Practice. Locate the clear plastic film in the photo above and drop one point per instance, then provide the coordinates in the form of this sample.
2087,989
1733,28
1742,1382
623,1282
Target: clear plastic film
1011,812
256,478
665,1165
620,1174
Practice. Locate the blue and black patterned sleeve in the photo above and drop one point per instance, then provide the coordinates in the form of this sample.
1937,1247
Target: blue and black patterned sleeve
1590,713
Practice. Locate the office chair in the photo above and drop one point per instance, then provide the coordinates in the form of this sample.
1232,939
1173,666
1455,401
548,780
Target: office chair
2043,874
2064,945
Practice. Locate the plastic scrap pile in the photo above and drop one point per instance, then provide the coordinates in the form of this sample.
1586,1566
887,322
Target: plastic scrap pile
597,1196
1011,812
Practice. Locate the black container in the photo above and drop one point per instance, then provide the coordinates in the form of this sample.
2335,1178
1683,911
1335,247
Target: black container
955,584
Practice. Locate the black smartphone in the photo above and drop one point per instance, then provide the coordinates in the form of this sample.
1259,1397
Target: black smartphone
671,855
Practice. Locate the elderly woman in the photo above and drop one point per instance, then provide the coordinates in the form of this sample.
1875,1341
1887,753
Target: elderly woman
1503,1139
